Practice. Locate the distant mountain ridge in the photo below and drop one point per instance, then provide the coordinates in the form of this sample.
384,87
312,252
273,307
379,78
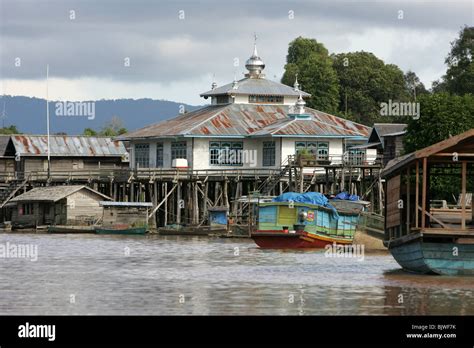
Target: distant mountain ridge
29,114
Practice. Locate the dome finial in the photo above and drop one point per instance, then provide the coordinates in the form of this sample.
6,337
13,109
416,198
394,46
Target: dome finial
255,64
300,104
296,86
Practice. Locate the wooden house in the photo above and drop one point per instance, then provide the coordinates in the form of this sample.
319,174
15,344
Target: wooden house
387,140
125,213
421,237
56,205
29,153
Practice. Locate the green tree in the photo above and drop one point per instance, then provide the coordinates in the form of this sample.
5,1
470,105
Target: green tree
365,81
459,77
414,87
9,130
442,115
89,132
310,60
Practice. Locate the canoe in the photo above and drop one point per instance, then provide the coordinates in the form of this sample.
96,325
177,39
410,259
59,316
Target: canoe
130,230
417,255
70,229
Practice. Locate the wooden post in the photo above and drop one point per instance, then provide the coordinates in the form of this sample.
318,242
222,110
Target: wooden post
206,190
301,180
343,179
290,179
196,205
178,203
226,196
380,188
463,194
408,200
417,192
423,192
165,220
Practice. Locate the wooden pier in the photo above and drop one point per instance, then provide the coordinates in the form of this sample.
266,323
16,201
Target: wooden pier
183,196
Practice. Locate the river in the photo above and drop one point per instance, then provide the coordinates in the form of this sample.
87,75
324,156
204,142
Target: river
176,275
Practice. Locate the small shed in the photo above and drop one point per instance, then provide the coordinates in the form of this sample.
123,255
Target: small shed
125,213
57,205
218,216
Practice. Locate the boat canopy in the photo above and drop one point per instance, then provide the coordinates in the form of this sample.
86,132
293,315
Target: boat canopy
314,198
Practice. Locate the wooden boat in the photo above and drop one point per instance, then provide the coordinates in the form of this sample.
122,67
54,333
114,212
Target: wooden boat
419,253
423,239
302,225
70,229
121,230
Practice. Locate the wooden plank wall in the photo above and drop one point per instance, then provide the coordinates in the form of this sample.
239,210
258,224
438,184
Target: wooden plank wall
393,195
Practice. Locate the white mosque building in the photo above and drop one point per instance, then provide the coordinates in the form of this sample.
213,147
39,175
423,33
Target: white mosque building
263,119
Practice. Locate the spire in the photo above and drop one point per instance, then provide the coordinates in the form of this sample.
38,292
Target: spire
255,64
235,83
214,84
296,86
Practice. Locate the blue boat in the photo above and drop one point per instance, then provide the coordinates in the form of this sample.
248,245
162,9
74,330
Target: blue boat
421,237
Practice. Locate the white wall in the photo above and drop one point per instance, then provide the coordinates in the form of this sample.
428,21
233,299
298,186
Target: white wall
198,151
252,147
244,99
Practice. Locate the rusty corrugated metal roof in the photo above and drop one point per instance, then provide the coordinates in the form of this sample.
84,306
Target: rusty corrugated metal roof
250,119
65,145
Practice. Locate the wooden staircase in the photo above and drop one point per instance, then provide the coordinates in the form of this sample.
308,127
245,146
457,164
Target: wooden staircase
269,183
8,192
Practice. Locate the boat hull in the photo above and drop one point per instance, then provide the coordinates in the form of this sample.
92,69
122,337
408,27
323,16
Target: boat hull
298,240
71,229
423,257
134,231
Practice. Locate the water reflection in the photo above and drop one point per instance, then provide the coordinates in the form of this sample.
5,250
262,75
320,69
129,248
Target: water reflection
176,275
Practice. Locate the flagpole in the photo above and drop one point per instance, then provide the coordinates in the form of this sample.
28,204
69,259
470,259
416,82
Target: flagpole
47,118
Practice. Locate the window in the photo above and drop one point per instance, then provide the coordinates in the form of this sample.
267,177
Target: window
159,154
267,99
222,99
142,155
27,209
225,153
268,153
318,148
178,150
354,156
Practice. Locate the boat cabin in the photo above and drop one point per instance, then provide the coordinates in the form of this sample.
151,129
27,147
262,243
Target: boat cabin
419,186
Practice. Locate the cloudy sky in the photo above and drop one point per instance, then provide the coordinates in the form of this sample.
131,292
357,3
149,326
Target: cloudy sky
174,48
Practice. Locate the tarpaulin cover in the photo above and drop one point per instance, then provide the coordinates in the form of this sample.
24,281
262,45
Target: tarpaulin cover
346,196
315,198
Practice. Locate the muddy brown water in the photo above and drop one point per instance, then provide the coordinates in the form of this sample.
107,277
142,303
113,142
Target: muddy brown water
175,275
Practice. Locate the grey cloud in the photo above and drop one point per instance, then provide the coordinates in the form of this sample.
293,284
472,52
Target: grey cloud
163,48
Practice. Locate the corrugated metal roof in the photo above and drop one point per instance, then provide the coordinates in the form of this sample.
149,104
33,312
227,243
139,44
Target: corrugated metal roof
52,193
249,119
257,86
4,140
65,145
384,129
